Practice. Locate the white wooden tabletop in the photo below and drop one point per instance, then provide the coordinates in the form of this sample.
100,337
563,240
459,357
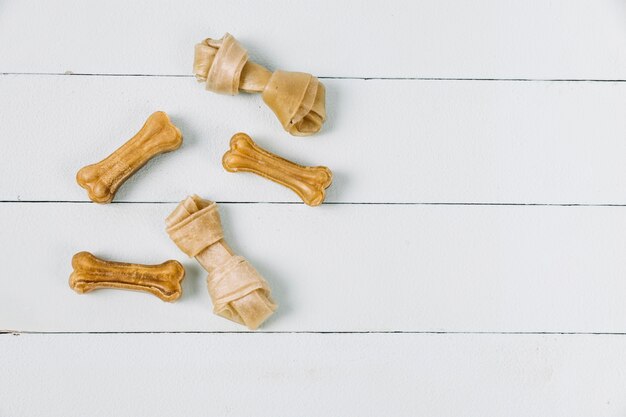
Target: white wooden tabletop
469,259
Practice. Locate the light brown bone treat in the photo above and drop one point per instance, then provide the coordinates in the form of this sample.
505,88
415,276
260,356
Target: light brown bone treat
161,280
101,180
309,183
297,98
237,290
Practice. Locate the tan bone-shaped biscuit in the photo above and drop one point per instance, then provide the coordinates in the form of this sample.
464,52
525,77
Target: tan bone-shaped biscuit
102,180
309,183
238,291
297,99
90,273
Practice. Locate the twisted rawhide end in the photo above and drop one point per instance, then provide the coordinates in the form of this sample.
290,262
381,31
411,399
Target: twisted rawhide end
297,98
238,291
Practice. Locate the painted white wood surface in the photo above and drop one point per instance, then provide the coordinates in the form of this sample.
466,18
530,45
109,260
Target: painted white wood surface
312,375
427,38
486,271
333,268
422,141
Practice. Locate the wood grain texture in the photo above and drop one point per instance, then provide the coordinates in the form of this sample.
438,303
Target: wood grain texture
397,270
333,268
330,375
428,38
385,141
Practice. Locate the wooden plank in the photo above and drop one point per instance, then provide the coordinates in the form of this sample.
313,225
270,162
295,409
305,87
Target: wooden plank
423,141
333,268
330,375
581,39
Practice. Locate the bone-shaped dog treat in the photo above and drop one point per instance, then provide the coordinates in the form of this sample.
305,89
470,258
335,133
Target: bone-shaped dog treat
237,290
101,180
161,280
309,183
297,98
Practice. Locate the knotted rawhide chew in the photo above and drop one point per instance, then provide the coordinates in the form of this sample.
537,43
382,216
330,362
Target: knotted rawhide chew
237,290
297,98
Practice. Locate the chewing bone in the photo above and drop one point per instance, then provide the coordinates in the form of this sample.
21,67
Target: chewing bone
238,291
309,183
161,280
102,180
296,98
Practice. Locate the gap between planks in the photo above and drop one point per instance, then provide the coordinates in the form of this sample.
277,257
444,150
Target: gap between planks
426,332
84,74
336,203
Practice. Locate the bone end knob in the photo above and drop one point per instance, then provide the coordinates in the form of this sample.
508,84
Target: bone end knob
297,99
239,293
90,273
310,183
103,179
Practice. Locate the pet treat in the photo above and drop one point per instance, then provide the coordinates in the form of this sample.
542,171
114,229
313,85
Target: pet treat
101,180
309,183
237,290
161,280
297,98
